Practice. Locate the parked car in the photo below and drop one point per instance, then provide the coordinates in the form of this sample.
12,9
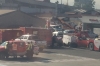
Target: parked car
92,44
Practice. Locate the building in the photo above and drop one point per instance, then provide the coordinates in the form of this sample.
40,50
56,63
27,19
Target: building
15,19
29,6
87,22
32,6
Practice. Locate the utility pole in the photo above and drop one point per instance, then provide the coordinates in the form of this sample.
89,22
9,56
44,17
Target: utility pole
67,2
57,8
61,5
61,2
80,5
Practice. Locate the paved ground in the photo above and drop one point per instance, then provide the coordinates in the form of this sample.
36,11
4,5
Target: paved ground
58,57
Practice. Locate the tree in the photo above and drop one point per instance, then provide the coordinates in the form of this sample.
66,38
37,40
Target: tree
65,8
85,4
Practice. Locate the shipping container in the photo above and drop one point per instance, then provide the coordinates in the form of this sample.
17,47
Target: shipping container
42,33
8,34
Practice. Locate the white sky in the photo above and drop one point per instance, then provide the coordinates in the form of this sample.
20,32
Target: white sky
71,2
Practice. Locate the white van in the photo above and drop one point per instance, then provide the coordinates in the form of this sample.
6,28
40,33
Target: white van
69,39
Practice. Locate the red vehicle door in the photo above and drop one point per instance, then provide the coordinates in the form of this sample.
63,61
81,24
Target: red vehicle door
19,46
79,42
84,43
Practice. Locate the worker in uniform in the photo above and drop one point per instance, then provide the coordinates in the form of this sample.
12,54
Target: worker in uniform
14,48
53,40
5,53
30,49
47,24
59,41
30,45
7,48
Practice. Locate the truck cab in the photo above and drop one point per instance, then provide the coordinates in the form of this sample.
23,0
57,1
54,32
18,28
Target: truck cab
17,48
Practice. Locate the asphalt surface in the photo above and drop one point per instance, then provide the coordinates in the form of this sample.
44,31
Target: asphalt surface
58,57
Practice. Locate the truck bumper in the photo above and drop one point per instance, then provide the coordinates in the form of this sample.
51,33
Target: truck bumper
17,53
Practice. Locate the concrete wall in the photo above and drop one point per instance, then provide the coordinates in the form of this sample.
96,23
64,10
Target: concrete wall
36,10
47,10
29,10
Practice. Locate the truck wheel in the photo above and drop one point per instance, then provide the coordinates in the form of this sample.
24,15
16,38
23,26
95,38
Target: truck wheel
7,57
41,49
29,54
22,56
99,49
91,46
61,44
64,44
69,44
2,56
15,57
74,45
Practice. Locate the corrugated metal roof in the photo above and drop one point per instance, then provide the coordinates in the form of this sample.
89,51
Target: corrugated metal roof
38,3
17,18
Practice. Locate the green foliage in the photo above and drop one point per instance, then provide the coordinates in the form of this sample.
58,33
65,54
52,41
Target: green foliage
85,4
65,8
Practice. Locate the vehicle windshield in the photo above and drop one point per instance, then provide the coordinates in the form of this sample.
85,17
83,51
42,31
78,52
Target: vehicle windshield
3,44
69,31
33,38
56,27
21,37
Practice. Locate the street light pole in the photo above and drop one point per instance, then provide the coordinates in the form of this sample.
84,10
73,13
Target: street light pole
61,5
61,2
57,8
67,2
